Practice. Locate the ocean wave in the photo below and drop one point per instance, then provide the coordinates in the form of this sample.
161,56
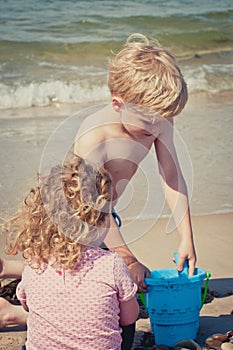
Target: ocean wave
50,92
208,78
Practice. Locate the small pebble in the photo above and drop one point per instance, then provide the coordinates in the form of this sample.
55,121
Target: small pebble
187,344
163,347
215,294
213,343
230,333
148,340
160,347
227,293
227,346
222,337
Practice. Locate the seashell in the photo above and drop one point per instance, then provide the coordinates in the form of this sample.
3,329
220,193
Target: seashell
222,337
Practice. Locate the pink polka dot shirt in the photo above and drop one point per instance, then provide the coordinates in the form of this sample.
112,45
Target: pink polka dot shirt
76,309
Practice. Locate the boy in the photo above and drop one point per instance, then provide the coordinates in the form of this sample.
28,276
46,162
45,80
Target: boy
147,90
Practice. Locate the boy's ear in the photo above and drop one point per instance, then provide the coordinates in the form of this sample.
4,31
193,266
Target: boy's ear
117,103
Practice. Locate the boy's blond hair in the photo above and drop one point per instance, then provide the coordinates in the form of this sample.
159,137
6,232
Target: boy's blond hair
147,75
70,203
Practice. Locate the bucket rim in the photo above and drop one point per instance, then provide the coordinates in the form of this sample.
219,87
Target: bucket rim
199,276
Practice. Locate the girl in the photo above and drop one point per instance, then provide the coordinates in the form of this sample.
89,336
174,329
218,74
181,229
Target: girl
76,294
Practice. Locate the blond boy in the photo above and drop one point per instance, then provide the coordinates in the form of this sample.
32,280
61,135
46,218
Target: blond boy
147,90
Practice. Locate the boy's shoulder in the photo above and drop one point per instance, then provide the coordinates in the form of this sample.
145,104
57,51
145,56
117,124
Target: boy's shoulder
95,131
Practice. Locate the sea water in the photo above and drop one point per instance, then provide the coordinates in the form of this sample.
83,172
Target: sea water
55,53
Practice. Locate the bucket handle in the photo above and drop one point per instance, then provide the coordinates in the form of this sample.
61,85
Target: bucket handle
143,299
208,274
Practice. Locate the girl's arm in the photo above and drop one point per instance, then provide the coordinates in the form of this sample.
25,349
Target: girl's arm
114,241
21,295
127,289
128,312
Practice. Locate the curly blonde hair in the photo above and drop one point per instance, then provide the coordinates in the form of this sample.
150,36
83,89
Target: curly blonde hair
147,75
68,206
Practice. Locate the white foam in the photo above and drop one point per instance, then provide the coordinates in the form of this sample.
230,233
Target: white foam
47,93
90,87
210,78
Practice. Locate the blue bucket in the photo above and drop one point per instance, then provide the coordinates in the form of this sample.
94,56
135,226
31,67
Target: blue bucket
174,302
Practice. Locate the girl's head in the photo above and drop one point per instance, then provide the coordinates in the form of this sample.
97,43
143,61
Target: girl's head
147,76
68,209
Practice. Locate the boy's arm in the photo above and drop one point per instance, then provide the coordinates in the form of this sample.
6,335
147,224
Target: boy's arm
138,271
91,146
176,194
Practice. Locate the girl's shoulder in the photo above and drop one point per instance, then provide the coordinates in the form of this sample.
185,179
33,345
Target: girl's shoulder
94,253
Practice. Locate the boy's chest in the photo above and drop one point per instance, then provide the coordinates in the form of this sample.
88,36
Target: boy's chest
125,152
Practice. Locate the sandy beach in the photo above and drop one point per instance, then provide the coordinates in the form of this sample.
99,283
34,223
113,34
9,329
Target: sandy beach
213,236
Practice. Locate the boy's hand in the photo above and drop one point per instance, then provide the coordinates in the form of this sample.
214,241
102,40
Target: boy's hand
138,272
186,252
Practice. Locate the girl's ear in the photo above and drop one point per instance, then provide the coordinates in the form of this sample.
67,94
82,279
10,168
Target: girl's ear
117,104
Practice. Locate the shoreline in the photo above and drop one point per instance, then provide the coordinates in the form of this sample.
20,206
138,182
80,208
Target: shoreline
207,162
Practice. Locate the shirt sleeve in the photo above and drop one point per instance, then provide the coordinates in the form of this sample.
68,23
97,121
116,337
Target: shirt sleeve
125,285
21,292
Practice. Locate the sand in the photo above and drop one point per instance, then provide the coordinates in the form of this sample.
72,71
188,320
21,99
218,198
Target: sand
12,338
213,238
